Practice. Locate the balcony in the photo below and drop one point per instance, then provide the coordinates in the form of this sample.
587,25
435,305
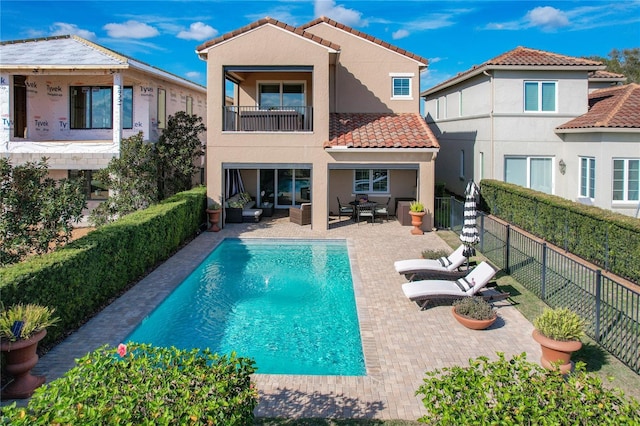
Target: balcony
254,119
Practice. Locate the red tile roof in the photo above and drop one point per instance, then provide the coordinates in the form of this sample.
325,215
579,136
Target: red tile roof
355,130
522,58
601,74
324,19
262,22
614,107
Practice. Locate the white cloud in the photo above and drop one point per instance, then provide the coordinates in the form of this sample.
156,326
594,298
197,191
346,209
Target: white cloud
279,13
198,31
396,35
328,8
546,17
131,29
435,60
62,28
194,75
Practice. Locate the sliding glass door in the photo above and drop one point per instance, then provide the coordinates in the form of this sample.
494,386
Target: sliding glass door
286,187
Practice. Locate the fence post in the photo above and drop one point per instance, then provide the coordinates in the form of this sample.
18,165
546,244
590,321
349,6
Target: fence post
451,201
598,295
543,275
506,249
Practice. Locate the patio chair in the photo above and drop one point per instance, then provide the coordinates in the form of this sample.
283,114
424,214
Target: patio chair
443,268
383,210
472,284
344,209
300,215
366,210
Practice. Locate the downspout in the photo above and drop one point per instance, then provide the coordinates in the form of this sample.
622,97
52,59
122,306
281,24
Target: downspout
491,127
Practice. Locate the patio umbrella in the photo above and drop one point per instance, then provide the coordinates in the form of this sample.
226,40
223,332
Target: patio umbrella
469,235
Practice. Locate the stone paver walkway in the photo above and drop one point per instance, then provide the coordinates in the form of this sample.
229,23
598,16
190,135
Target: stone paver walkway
400,341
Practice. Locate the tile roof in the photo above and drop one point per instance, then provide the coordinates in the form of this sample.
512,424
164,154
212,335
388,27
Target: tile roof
265,21
360,130
601,74
522,58
614,107
365,36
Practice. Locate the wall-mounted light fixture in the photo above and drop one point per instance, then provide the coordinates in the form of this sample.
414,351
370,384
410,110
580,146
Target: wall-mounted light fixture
563,167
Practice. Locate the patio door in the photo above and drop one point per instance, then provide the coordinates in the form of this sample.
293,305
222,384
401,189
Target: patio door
285,187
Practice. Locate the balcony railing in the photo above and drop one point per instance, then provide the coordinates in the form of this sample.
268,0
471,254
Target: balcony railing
254,119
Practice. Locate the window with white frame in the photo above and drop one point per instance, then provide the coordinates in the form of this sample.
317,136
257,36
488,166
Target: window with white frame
530,172
401,85
626,179
371,181
92,107
274,95
587,177
540,96
162,108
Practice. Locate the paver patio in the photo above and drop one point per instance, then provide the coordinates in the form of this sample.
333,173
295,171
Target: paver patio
400,341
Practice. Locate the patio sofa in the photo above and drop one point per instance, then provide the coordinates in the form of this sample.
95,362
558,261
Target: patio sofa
239,208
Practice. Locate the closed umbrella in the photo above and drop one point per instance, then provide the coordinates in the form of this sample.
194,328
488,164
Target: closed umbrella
470,235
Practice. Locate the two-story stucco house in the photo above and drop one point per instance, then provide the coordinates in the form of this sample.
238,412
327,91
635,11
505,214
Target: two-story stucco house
505,119
72,101
318,113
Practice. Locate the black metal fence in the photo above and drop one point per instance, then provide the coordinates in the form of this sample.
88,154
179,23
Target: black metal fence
611,309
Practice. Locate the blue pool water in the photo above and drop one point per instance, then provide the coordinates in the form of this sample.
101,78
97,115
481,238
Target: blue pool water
288,304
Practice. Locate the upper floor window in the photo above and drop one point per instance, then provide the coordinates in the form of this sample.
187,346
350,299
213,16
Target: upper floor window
280,95
530,172
401,85
540,96
587,177
371,181
626,179
92,107
162,108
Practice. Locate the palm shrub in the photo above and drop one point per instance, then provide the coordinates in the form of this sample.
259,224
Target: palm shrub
517,392
141,384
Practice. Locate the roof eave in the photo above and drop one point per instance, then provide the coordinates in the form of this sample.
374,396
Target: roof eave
483,68
343,149
600,130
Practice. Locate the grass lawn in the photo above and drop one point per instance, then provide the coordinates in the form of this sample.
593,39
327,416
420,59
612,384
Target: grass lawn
598,360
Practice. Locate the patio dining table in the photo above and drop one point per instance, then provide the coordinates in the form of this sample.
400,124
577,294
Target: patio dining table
358,206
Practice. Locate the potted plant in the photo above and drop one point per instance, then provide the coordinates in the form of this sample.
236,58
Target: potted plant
21,328
416,210
558,331
213,212
474,312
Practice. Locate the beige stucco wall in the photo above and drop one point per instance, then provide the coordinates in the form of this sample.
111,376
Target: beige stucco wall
363,74
271,46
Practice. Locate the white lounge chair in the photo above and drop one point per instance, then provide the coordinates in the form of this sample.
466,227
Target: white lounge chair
445,267
470,285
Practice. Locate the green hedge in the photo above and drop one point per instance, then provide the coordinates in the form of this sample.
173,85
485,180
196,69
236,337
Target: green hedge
80,278
143,385
605,238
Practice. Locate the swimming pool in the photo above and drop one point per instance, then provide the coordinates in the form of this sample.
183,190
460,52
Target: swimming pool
288,304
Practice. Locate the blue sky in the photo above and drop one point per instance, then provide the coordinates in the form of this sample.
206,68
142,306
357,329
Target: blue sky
453,35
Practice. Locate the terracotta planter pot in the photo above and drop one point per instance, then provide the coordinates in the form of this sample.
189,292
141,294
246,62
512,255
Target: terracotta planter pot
20,358
554,351
416,221
214,219
471,323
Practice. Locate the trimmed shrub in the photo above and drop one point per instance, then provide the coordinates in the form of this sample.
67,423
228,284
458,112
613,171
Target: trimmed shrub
81,277
144,385
516,392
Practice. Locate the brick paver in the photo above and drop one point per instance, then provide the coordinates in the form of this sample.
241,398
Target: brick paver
400,341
